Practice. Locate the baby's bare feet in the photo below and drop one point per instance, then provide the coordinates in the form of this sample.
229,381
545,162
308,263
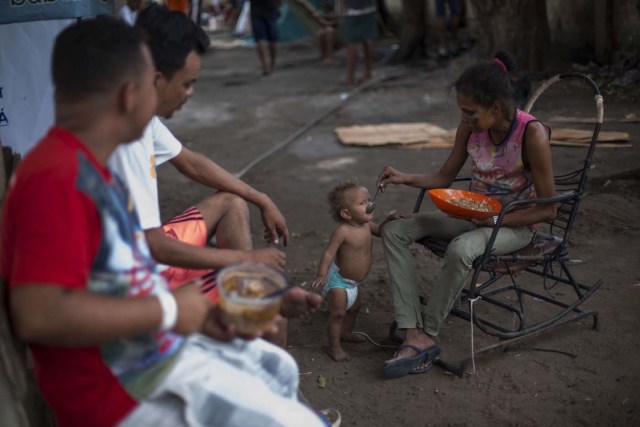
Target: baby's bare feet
351,337
338,354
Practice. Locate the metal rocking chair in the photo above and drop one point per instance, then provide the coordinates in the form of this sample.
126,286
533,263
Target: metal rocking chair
533,286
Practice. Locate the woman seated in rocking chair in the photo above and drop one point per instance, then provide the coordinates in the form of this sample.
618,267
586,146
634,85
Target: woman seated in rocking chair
511,158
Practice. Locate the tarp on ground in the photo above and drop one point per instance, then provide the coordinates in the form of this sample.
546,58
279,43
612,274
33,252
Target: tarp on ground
428,135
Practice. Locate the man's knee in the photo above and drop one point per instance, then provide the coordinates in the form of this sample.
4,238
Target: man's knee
225,202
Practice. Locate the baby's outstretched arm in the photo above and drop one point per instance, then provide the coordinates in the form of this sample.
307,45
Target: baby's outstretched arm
376,229
337,238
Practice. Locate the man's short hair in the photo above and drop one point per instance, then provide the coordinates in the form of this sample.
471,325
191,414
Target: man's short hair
171,36
95,55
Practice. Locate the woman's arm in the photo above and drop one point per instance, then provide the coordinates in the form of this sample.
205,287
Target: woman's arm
376,229
443,178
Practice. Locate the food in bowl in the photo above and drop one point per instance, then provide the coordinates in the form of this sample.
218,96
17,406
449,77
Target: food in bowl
480,206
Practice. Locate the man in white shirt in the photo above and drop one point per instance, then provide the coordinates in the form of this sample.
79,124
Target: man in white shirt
176,44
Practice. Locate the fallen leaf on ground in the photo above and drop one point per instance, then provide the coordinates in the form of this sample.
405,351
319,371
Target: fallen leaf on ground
322,381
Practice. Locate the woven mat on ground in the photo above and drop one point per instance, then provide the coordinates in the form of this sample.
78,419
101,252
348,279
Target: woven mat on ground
427,135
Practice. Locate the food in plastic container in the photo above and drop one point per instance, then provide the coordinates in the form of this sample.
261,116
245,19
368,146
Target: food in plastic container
244,300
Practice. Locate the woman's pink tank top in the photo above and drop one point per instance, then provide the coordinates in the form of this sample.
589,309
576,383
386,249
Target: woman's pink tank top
498,170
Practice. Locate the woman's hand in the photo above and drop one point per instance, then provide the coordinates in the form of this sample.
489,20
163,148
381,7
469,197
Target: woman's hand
393,217
390,175
487,222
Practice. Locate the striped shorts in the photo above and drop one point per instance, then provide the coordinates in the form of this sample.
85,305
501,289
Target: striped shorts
189,227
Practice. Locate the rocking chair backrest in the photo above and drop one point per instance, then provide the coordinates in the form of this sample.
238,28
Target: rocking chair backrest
574,181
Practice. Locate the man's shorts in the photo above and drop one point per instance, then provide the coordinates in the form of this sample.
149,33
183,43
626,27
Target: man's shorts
264,28
189,227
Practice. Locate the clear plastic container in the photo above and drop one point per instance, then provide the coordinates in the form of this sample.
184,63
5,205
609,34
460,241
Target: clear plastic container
243,287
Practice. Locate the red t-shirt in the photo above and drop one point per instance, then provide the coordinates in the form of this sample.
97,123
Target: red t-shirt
58,205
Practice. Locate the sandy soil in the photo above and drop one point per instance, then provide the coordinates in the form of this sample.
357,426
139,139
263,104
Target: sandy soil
236,115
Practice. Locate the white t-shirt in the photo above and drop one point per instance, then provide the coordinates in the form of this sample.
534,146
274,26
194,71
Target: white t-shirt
127,15
136,164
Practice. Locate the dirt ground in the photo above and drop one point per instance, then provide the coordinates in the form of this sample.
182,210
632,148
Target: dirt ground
237,115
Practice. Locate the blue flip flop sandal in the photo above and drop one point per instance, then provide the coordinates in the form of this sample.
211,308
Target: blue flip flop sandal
401,367
422,370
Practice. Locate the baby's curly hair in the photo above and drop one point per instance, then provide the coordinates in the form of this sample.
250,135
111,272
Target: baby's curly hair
335,197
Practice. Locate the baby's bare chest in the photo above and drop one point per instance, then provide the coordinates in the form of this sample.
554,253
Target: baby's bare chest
359,242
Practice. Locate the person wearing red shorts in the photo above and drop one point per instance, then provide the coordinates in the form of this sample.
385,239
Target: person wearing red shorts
176,45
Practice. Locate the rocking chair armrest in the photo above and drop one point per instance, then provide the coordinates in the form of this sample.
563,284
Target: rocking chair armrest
524,202
419,200
508,207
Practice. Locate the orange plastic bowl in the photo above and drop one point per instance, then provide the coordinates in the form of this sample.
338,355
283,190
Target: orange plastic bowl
442,198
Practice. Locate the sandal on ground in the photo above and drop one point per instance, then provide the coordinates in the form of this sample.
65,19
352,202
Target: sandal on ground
426,368
401,367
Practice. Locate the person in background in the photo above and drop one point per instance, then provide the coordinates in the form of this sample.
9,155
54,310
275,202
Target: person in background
444,51
327,33
360,27
264,24
324,19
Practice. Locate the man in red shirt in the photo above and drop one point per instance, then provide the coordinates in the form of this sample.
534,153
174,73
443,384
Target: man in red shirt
111,344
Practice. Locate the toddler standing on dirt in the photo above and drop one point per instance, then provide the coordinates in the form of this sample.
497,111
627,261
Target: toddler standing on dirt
346,261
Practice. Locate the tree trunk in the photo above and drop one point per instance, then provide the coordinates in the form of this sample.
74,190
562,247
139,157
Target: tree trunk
413,30
520,27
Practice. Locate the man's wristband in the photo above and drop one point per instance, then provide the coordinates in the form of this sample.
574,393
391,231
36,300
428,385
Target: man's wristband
169,310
